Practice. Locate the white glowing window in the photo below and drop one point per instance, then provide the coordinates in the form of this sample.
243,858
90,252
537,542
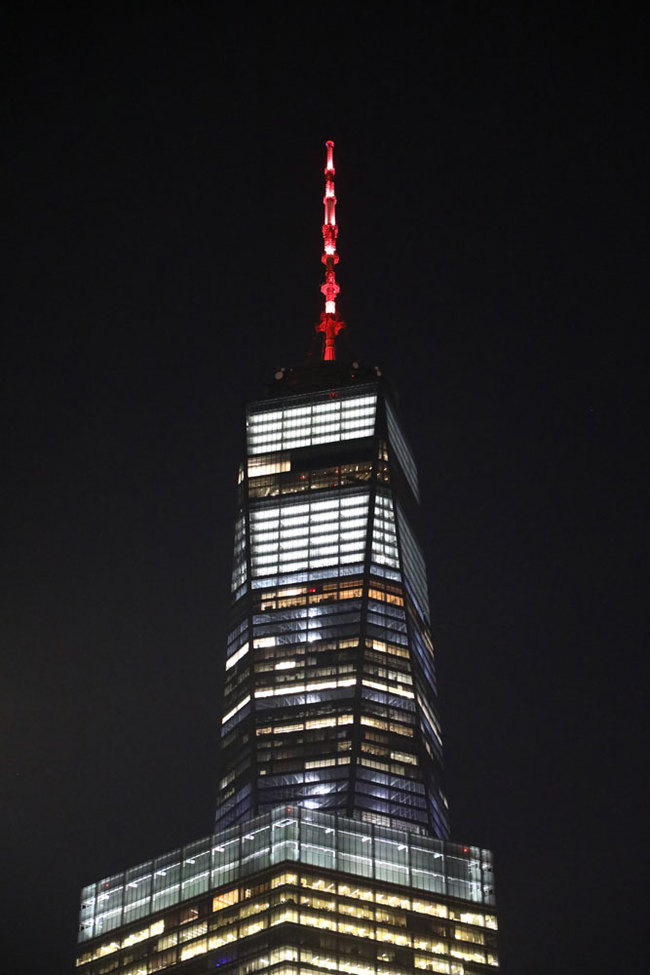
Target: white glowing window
389,688
350,501
315,535
323,535
237,707
289,689
243,650
266,547
323,517
352,546
384,535
271,515
296,426
329,505
322,551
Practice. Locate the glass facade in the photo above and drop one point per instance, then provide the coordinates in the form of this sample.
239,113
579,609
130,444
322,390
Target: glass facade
330,695
298,891
310,421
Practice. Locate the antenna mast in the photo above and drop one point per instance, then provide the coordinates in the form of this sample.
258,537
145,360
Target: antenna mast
329,322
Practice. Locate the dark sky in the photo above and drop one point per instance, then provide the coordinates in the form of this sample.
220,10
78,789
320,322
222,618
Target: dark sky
164,183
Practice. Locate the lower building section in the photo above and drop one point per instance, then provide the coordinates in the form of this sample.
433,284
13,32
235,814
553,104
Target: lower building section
296,891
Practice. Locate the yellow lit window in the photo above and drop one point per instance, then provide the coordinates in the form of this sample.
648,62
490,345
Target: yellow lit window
284,879
284,954
223,938
328,722
196,948
356,929
468,918
284,915
291,602
252,927
394,937
194,931
430,907
318,959
107,949
225,900
265,464
403,757
316,920
358,911
318,883
466,934
426,944
356,967
393,900
318,903
134,937
373,722
256,907
431,964
351,890
468,954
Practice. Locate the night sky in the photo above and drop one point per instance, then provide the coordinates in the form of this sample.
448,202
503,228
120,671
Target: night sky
163,214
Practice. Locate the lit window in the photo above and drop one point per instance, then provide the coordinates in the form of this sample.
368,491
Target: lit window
225,899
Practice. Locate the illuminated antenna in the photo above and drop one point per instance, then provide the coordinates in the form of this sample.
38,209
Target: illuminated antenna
329,322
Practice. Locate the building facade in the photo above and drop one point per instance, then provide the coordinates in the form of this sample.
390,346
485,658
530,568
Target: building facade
297,891
331,849
330,694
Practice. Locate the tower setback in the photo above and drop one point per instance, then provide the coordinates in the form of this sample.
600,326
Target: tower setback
331,850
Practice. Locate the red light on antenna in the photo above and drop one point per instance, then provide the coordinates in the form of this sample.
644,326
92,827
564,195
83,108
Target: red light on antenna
329,167
329,322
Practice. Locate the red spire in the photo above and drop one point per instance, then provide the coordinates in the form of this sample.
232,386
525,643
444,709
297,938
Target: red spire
329,322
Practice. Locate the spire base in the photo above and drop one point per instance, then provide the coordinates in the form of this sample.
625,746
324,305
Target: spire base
330,325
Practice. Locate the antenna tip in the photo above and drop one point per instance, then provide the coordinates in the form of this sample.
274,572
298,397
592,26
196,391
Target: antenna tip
329,166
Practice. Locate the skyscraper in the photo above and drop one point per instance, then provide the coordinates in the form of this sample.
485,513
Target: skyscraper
331,848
